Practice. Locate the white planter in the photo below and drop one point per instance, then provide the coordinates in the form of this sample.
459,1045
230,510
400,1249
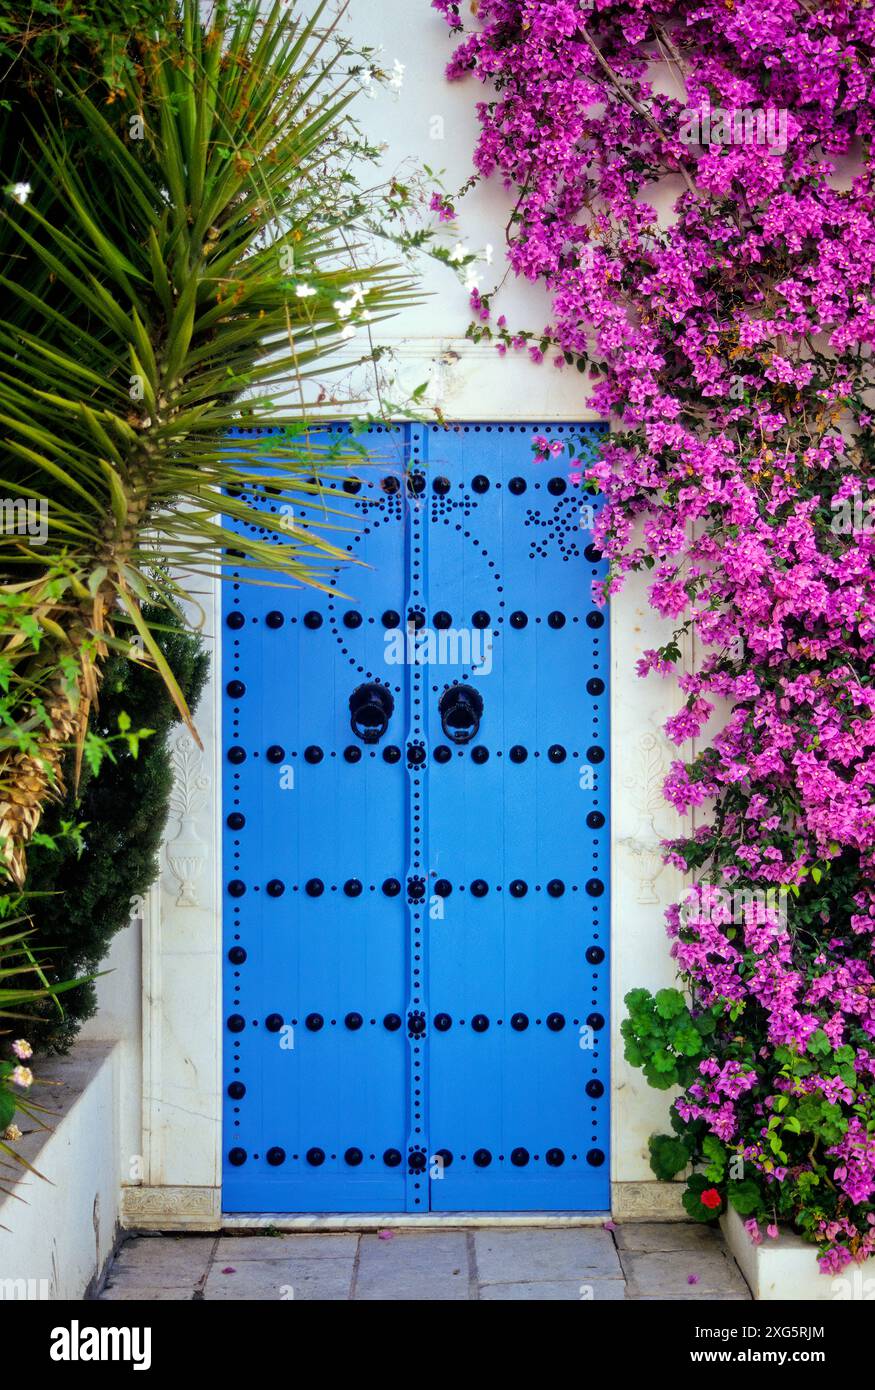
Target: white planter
787,1268
57,1236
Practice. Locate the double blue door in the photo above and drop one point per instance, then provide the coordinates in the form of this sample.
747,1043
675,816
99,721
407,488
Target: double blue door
416,843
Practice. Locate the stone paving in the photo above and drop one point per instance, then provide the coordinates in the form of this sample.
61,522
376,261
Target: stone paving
645,1260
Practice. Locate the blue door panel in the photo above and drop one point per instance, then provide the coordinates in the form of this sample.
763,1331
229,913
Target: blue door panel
521,1134
325,1087
397,1040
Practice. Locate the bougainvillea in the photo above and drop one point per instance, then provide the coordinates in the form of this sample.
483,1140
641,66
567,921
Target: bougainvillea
693,184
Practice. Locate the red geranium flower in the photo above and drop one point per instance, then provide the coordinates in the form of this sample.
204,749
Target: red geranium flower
711,1198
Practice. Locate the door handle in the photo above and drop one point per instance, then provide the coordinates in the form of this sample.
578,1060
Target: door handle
371,707
461,709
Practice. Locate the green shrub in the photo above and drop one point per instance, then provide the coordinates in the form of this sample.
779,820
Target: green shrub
124,809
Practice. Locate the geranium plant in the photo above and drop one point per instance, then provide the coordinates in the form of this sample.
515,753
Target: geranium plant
693,183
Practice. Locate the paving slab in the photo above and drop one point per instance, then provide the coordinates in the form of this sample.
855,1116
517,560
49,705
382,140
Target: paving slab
536,1255
653,1236
232,1249
280,1281
666,1274
419,1267
727,1296
555,1291
146,1293
164,1261
651,1261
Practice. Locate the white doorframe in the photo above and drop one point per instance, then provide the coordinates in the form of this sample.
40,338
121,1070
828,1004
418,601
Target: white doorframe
182,930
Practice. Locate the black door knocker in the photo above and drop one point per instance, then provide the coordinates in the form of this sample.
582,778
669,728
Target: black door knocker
461,709
371,707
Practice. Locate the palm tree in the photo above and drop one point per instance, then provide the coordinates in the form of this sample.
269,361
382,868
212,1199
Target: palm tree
188,243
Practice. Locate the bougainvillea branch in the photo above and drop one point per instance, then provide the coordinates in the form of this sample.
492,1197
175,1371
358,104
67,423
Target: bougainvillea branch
694,187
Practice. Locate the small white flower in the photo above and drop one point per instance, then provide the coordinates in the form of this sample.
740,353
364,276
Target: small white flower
459,252
21,1076
304,291
472,279
366,78
487,254
345,307
396,81
19,191
348,332
22,1049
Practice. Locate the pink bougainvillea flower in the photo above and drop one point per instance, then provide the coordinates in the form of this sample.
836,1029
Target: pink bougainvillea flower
711,271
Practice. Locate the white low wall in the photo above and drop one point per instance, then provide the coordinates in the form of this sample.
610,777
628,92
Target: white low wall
787,1269
56,1240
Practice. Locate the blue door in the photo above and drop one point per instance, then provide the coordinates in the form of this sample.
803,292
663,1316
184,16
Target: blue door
416,844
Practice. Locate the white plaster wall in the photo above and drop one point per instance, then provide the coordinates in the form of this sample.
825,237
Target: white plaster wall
119,1020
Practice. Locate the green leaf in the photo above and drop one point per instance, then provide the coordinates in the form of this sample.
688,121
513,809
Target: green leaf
663,1060
7,1107
744,1196
714,1151
670,1003
668,1156
659,1080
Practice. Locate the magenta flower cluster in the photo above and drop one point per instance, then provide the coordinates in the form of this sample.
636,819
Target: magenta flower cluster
693,183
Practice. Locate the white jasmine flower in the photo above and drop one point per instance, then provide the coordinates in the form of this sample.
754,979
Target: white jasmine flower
19,191
348,332
397,79
459,252
304,291
345,307
366,78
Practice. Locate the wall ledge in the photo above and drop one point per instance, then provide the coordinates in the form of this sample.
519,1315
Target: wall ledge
648,1201
171,1208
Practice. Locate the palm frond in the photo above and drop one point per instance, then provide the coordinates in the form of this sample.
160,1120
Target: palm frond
185,253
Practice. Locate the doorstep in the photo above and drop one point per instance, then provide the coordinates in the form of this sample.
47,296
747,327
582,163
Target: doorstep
375,1221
